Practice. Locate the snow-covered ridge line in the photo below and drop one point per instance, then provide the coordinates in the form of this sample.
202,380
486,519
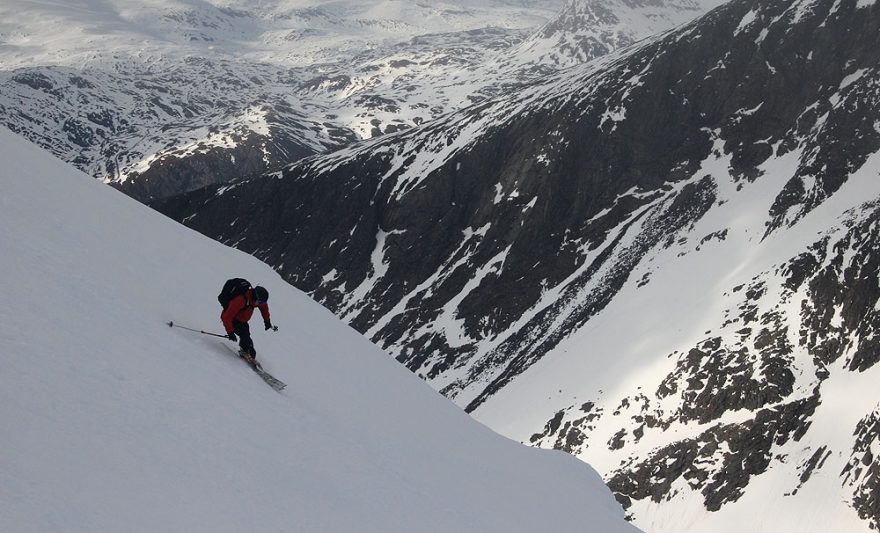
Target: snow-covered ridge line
129,92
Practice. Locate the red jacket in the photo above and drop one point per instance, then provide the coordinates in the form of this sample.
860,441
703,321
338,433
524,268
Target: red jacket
241,308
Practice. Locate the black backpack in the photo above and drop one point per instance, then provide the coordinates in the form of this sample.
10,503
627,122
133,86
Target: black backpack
232,288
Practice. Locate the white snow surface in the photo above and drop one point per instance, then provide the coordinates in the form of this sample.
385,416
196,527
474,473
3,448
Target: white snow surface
112,421
287,32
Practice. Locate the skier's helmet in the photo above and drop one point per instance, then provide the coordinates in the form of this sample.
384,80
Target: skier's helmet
261,294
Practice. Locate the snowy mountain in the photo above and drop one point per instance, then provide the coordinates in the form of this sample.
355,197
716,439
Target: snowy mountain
663,262
115,422
586,29
167,96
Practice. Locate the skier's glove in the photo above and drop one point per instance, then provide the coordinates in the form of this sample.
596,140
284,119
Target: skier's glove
268,325
232,337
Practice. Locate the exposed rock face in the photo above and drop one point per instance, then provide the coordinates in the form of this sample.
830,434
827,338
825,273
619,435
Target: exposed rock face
862,472
487,251
719,463
756,366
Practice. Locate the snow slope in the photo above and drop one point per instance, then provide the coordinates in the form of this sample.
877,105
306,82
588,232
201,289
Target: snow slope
112,421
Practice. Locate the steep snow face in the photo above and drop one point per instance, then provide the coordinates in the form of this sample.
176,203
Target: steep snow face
154,96
112,421
664,262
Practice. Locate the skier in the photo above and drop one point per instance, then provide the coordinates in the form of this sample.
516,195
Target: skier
236,314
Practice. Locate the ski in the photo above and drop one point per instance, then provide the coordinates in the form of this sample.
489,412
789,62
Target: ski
270,380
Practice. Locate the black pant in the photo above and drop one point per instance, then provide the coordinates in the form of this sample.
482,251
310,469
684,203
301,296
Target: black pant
244,337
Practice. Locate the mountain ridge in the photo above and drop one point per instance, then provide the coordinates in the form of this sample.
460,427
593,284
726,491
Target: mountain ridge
556,208
160,112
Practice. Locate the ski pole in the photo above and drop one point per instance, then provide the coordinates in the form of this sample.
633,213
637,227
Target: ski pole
173,325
